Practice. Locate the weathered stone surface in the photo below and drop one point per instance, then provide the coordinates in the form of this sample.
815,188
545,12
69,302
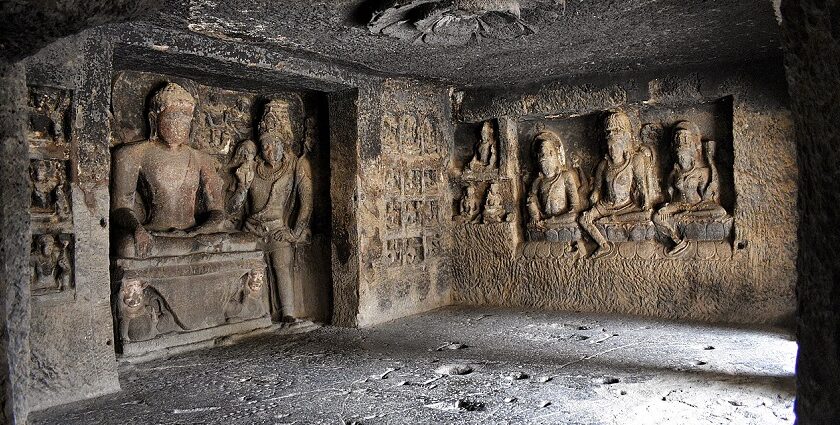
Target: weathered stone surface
813,71
708,280
15,237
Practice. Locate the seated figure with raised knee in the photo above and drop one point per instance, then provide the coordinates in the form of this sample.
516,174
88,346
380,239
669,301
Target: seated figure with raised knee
625,188
693,185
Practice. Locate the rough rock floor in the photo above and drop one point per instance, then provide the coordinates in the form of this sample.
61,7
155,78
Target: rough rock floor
527,367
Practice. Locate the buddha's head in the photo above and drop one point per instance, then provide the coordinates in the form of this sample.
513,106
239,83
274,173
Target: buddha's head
171,114
551,154
687,143
619,137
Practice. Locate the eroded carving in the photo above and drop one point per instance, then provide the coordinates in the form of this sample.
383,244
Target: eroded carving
48,117
625,189
50,189
52,263
485,156
494,208
144,313
470,205
450,22
166,196
694,210
249,300
557,195
280,200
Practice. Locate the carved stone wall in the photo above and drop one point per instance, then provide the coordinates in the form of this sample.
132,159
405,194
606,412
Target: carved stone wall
403,211
224,128
72,339
737,260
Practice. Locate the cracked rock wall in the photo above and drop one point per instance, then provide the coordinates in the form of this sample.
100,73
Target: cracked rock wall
812,42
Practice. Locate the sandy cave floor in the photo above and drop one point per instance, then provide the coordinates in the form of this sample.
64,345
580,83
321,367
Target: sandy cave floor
527,367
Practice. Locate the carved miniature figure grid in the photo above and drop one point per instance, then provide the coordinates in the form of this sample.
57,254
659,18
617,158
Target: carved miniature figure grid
650,182
212,209
479,160
414,187
49,138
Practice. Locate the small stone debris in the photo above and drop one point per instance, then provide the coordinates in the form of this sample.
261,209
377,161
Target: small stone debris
708,347
583,328
543,379
544,404
578,337
699,363
402,383
454,369
623,392
510,400
457,406
451,346
609,380
515,376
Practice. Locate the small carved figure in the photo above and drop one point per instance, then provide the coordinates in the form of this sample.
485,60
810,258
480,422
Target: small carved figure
408,134
48,187
693,185
393,252
470,205
624,189
394,182
426,136
144,313
394,215
216,120
430,180
555,196
485,157
244,164
412,213
247,303
413,251
173,178
414,181
281,202
48,114
239,122
431,213
50,266
494,209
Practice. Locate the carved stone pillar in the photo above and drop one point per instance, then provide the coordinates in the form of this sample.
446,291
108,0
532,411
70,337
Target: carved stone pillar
813,74
15,240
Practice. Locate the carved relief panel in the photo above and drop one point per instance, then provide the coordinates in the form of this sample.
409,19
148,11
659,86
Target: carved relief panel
479,161
412,149
51,207
635,183
240,232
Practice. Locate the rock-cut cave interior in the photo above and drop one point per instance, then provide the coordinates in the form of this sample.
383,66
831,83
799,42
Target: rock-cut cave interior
420,212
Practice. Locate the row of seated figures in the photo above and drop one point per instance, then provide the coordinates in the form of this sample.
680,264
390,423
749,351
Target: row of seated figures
624,202
181,274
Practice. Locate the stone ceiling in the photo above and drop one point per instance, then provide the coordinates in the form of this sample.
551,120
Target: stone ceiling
540,40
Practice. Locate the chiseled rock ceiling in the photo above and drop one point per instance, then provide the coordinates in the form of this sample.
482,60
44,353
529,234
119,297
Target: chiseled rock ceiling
497,42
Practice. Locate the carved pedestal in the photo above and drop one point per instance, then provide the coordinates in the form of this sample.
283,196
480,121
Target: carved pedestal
706,230
166,302
618,231
555,233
